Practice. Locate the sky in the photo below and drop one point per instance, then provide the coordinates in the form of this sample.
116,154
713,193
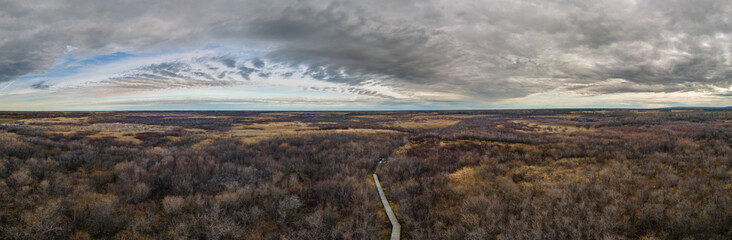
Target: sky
75,55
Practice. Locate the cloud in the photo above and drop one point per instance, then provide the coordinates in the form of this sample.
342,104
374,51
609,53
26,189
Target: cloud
472,51
341,41
40,85
212,71
261,103
207,71
19,57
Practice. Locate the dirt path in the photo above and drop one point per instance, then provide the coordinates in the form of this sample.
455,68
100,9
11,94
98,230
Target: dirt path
396,228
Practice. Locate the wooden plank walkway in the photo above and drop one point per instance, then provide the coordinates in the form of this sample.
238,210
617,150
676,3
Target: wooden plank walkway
396,228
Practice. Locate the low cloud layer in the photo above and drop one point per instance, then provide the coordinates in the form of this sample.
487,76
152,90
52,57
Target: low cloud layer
470,51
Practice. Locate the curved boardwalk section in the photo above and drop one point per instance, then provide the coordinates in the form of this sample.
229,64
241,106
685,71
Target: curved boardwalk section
395,227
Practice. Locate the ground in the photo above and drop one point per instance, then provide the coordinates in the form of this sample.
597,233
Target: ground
509,174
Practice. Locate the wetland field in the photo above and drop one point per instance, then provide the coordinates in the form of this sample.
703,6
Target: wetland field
503,174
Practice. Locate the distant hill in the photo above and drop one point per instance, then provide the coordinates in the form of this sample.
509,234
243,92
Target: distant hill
694,108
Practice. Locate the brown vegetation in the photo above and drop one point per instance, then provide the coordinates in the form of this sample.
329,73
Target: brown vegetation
520,174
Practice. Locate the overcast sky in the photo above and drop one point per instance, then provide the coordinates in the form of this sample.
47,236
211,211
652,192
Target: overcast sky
321,55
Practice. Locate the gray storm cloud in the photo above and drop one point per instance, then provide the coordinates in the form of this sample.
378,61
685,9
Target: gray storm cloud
489,49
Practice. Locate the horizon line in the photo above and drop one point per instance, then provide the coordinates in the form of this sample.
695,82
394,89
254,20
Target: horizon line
387,110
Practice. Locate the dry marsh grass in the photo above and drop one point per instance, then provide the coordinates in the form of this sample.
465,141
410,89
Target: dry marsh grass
514,174
550,128
422,123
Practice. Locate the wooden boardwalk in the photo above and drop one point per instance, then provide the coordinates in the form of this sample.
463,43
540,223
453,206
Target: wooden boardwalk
396,228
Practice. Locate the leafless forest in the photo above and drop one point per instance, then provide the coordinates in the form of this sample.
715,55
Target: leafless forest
513,174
